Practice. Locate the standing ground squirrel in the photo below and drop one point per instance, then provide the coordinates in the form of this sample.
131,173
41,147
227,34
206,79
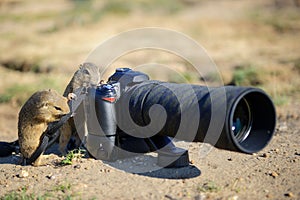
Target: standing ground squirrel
87,75
41,108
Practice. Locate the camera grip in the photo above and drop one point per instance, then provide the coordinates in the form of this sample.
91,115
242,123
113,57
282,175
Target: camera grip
102,127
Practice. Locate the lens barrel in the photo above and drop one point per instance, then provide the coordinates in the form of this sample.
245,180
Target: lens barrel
233,118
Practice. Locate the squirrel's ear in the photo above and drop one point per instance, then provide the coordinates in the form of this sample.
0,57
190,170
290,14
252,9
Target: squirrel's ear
80,66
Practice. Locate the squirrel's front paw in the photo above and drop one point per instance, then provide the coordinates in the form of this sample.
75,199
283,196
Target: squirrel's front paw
72,96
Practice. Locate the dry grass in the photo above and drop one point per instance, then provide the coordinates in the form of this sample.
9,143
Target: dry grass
60,37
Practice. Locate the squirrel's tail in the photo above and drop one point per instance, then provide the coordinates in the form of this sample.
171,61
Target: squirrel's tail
7,148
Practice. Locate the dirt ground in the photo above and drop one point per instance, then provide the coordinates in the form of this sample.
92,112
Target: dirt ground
234,33
272,173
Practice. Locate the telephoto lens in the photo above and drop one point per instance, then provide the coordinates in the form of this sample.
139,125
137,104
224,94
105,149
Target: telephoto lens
229,117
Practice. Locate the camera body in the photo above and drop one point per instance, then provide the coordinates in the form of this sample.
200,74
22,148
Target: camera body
106,140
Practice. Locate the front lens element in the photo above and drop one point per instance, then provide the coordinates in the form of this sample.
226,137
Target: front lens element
242,121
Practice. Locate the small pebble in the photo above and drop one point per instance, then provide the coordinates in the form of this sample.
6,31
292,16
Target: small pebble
282,127
50,176
265,155
276,150
105,170
23,174
235,197
274,174
77,166
229,159
289,194
269,196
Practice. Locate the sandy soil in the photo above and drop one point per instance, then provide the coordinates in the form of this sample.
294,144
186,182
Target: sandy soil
272,173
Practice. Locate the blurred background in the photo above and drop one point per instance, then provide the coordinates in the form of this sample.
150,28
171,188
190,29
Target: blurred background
254,43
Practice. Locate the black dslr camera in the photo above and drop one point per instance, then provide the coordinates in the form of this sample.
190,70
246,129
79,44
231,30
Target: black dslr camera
131,114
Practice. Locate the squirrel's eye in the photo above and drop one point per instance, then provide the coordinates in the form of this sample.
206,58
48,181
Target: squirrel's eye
57,108
85,71
45,105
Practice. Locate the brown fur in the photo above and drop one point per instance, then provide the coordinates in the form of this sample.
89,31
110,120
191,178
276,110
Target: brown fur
40,109
87,75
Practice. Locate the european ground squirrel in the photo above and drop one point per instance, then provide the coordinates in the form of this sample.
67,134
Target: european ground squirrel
41,108
87,75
